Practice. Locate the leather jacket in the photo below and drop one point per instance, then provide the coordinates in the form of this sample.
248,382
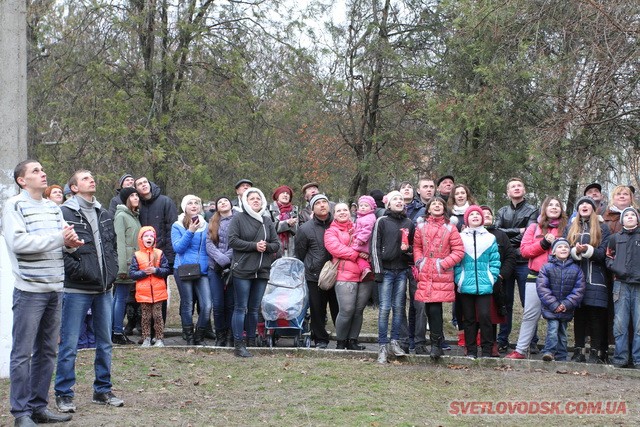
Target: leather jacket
511,219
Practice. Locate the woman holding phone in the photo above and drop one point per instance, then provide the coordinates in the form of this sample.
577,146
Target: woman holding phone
188,237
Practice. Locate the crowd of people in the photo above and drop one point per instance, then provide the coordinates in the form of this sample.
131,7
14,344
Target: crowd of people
425,245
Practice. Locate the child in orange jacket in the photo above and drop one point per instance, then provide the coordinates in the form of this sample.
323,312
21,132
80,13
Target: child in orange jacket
150,268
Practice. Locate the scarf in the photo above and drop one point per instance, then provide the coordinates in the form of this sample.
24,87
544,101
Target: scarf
285,214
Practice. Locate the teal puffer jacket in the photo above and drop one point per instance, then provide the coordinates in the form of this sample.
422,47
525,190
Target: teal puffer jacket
480,266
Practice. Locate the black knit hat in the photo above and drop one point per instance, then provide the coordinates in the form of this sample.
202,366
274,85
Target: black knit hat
125,193
586,199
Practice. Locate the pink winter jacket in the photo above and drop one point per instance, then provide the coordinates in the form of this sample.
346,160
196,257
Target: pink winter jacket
363,230
437,248
336,241
531,246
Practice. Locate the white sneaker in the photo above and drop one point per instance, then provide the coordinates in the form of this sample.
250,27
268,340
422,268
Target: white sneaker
382,354
146,342
159,343
396,349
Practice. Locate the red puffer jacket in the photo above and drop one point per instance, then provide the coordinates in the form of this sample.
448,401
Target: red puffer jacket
437,247
336,241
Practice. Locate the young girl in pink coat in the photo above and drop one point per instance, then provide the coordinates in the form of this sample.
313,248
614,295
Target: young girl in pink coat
437,248
366,219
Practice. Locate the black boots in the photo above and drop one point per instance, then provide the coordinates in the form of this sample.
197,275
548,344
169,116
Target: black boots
595,356
341,345
198,337
436,347
354,345
221,337
187,334
208,332
578,355
241,349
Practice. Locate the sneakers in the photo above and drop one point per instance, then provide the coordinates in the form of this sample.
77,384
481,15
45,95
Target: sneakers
382,354
395,348
547,357
159,343
107,398
515,355
503,347
65,404
146,342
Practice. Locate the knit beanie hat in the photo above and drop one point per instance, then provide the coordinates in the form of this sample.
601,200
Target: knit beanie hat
368,200
125,193
586,199
387,199
186,199
282,189
220,198
472,208
123,177
558,242
316,198
625,210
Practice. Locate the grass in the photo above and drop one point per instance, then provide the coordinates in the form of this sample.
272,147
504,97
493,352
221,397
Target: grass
200,387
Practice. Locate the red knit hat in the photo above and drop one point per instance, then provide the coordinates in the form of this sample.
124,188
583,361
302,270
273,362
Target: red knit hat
470,209
282,189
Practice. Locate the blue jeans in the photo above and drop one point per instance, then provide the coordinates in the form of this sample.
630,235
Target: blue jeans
36,323
248,295
626,305
520,277
74,310
556,341
188,289
392,292
120,295
221,300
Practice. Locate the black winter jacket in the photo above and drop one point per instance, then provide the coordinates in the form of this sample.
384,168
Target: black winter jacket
511,219
81,267
160,212
244,232
593,266
623,255
386,240
309,246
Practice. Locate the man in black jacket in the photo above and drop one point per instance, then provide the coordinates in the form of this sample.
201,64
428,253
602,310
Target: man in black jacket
514,219
310,249
89,275
158,211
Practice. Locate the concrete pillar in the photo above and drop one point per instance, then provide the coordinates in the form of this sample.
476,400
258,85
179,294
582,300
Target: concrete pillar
13,141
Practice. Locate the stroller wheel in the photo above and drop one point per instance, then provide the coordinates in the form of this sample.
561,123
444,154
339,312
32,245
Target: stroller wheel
270,341
307,342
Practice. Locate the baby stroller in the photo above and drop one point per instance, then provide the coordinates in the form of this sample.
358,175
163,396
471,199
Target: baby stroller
284,304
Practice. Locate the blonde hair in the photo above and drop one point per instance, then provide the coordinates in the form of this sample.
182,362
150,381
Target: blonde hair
620,189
